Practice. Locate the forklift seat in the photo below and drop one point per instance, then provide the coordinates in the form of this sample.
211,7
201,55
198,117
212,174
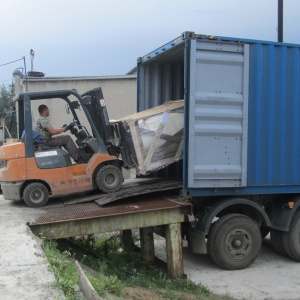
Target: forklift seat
38,141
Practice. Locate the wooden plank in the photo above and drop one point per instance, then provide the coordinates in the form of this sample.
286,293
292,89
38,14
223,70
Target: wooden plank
179,151
144,166
136,142
147,245
127,239
174,250
85,285
168,106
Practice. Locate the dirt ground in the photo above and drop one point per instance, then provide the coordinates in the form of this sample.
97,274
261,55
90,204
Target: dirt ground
23,268
24,271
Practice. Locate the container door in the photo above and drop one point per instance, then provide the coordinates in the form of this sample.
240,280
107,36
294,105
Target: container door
218,110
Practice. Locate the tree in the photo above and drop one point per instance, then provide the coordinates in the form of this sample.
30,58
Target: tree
7,109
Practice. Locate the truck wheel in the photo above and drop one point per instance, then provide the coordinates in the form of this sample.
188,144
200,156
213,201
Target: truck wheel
35,194
234,242
109,179
264,230
291,239
277,242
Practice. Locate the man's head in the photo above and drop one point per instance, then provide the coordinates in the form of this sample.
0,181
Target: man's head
43,110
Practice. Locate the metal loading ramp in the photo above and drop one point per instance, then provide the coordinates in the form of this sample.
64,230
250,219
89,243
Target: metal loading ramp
144,213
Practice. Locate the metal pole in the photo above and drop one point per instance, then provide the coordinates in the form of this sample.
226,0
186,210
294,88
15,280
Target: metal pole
26,85
280,20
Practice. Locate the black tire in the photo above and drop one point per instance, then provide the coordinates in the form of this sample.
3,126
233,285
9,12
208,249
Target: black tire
277,242
35,194
109,179
234,242
291,239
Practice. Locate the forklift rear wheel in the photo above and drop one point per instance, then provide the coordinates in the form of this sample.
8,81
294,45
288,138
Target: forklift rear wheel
109,179
35,195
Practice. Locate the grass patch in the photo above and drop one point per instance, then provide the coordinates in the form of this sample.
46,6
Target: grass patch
63,269
116,269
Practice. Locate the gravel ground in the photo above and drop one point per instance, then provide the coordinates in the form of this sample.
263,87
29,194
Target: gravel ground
24,270
270,277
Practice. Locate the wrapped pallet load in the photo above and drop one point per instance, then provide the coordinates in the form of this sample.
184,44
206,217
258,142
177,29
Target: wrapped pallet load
154,137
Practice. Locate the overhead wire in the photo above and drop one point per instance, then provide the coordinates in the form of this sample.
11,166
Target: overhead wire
11,62
5,80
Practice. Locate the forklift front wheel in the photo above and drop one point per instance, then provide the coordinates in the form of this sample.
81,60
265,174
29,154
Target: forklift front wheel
35,195
109,179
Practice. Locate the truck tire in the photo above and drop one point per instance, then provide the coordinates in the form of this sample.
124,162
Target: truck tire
264,230
277,242
109,179
291,239
234,241
35,194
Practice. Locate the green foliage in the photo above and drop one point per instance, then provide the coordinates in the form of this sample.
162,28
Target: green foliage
64,270
7,109
115,268
107,284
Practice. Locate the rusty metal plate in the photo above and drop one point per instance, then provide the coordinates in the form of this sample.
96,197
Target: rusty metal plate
130,188
93,210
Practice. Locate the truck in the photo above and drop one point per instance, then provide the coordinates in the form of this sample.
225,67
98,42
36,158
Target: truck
240,167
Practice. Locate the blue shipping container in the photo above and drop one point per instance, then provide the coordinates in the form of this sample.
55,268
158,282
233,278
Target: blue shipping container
241,111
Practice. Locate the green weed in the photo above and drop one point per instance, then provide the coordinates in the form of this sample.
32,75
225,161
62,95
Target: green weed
114,269
63,268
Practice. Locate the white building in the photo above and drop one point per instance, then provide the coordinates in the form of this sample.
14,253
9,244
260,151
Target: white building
120,93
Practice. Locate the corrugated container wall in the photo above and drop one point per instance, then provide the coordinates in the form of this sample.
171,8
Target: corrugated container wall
241,111
159,81
274,96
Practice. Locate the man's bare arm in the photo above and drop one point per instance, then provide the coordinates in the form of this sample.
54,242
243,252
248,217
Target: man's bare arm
54,131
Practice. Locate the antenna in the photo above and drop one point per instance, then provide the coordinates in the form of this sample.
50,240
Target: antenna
31,58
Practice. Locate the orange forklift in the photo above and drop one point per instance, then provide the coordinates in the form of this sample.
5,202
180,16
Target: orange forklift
33,176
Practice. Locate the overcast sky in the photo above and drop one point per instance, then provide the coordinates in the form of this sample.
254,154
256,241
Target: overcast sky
105,37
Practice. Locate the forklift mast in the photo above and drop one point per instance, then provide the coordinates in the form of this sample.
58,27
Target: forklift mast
98,112
108,132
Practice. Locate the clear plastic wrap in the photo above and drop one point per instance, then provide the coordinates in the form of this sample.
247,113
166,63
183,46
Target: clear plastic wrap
154,137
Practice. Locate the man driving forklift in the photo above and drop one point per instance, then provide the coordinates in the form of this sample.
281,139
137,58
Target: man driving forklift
45,128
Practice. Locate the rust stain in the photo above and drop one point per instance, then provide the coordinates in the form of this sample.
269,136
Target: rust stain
94,210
